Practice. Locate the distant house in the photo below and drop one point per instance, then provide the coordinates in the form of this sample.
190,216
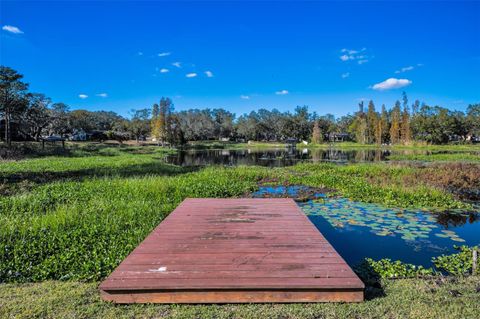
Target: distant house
338,137
291,141
455,138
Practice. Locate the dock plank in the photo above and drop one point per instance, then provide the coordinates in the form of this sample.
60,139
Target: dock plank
233,251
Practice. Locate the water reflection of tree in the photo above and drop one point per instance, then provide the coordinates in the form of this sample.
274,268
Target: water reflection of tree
274,157
449,219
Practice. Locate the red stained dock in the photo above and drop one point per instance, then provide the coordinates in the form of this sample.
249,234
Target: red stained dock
233,251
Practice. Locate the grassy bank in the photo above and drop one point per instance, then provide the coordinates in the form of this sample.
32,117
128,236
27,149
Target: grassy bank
354,145
438,157
79,161
407,298
413,146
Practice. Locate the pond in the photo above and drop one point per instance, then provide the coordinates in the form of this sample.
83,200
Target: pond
359,230
277,157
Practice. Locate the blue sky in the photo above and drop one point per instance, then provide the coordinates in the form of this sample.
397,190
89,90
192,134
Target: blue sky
244,56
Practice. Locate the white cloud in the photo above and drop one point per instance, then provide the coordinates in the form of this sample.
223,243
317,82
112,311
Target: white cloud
140,53
164,70
408,68
350,55
191,75
164,54
12,29
177,64
345,75
352,52
102,94
282,92
405,69
391,83
245,97
82,96
209,74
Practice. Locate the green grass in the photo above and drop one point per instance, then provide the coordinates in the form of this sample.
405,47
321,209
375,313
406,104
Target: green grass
446,147
86,160
101,164
413,146
75,216
406,298
204,145
337,145
340,145
375,183
82,229
438,157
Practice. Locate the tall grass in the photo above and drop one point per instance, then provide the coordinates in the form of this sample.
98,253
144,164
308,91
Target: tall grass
83,215
355,182
82,230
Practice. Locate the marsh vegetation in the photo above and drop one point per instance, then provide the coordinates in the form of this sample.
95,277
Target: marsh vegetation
73,215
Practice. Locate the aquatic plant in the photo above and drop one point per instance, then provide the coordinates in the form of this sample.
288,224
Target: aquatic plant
372,270
382,221
457,264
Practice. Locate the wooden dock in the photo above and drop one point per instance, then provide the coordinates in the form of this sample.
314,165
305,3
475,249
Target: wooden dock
233,251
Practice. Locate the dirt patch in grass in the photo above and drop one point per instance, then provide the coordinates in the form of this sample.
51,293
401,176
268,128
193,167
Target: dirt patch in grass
460,179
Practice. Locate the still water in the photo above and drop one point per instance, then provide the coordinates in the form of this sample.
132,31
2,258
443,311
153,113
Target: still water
358,230
277,157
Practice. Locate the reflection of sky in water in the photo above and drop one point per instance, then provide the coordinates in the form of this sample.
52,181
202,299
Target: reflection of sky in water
285,191
359,230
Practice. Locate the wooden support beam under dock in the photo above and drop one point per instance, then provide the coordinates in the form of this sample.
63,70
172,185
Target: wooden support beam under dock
234,251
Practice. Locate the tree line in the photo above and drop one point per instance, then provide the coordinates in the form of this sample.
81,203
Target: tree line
32,116
405,123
